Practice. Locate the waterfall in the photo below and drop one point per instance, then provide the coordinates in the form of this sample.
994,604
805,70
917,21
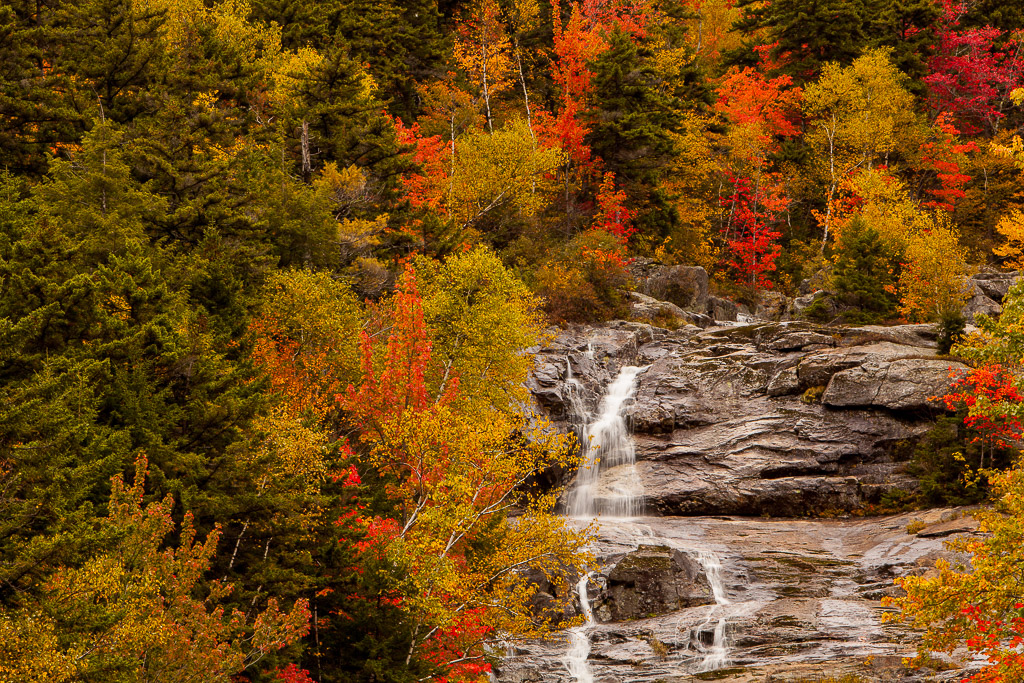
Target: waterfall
606,444
579,641
716,656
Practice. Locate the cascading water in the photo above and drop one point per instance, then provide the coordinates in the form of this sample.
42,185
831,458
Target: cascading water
579,642
607,444
717,655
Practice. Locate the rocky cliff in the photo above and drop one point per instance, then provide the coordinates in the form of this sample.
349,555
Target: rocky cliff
740,431
779,419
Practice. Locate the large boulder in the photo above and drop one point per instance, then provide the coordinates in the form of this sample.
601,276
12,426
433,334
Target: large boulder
816,369
986,291
773,306
648,309
643,307
722,309
906,384
653,580
684,286
802,303
995,285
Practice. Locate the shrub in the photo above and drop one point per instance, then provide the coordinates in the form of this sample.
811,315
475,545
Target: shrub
587,283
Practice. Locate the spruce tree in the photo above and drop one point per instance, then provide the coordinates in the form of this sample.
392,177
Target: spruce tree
629,124
863,277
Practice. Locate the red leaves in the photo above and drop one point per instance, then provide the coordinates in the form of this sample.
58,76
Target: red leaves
971,73
614,217
750,236
986,392
402,383
943,156
577,43
432,155
292,674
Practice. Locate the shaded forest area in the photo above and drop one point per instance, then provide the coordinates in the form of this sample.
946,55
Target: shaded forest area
268,270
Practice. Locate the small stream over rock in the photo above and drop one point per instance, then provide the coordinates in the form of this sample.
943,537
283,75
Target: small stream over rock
739,434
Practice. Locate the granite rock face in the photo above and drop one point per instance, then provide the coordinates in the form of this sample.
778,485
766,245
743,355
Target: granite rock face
803,602
684,286
650,581
742,432
765,419
986,291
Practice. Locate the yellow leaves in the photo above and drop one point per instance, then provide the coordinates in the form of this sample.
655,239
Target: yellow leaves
926,244
254,42
290,70
690,183
976,605
1011,228
481,317
503,168
859,113
293,455
483,48
306,333
932,282
31,652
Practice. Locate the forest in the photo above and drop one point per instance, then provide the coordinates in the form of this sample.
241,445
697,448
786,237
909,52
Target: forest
269,272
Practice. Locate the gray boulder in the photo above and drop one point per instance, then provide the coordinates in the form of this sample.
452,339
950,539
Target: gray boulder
995,285
907,384
684,286
653,580
643,307
801,303
773,306
722,309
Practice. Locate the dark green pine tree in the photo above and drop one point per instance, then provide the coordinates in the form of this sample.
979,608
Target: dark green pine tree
101,359
863,278
1007,15
631,116
907,26
809,32
402,43
35,113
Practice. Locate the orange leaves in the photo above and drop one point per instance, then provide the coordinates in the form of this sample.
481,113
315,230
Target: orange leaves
749,97
945,156
401,385
580,41
762,110
576,44
425,187
613,215
991,397
976,605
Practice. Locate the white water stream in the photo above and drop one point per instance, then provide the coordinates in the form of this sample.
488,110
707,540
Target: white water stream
606,444
579,640
716,656
607,447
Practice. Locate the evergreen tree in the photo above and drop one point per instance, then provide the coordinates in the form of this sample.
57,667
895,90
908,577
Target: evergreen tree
805,33
863,277
629,123
906,26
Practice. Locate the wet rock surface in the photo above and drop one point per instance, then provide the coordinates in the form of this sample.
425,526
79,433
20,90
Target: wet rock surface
804,601
764,419
740,430
650,581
